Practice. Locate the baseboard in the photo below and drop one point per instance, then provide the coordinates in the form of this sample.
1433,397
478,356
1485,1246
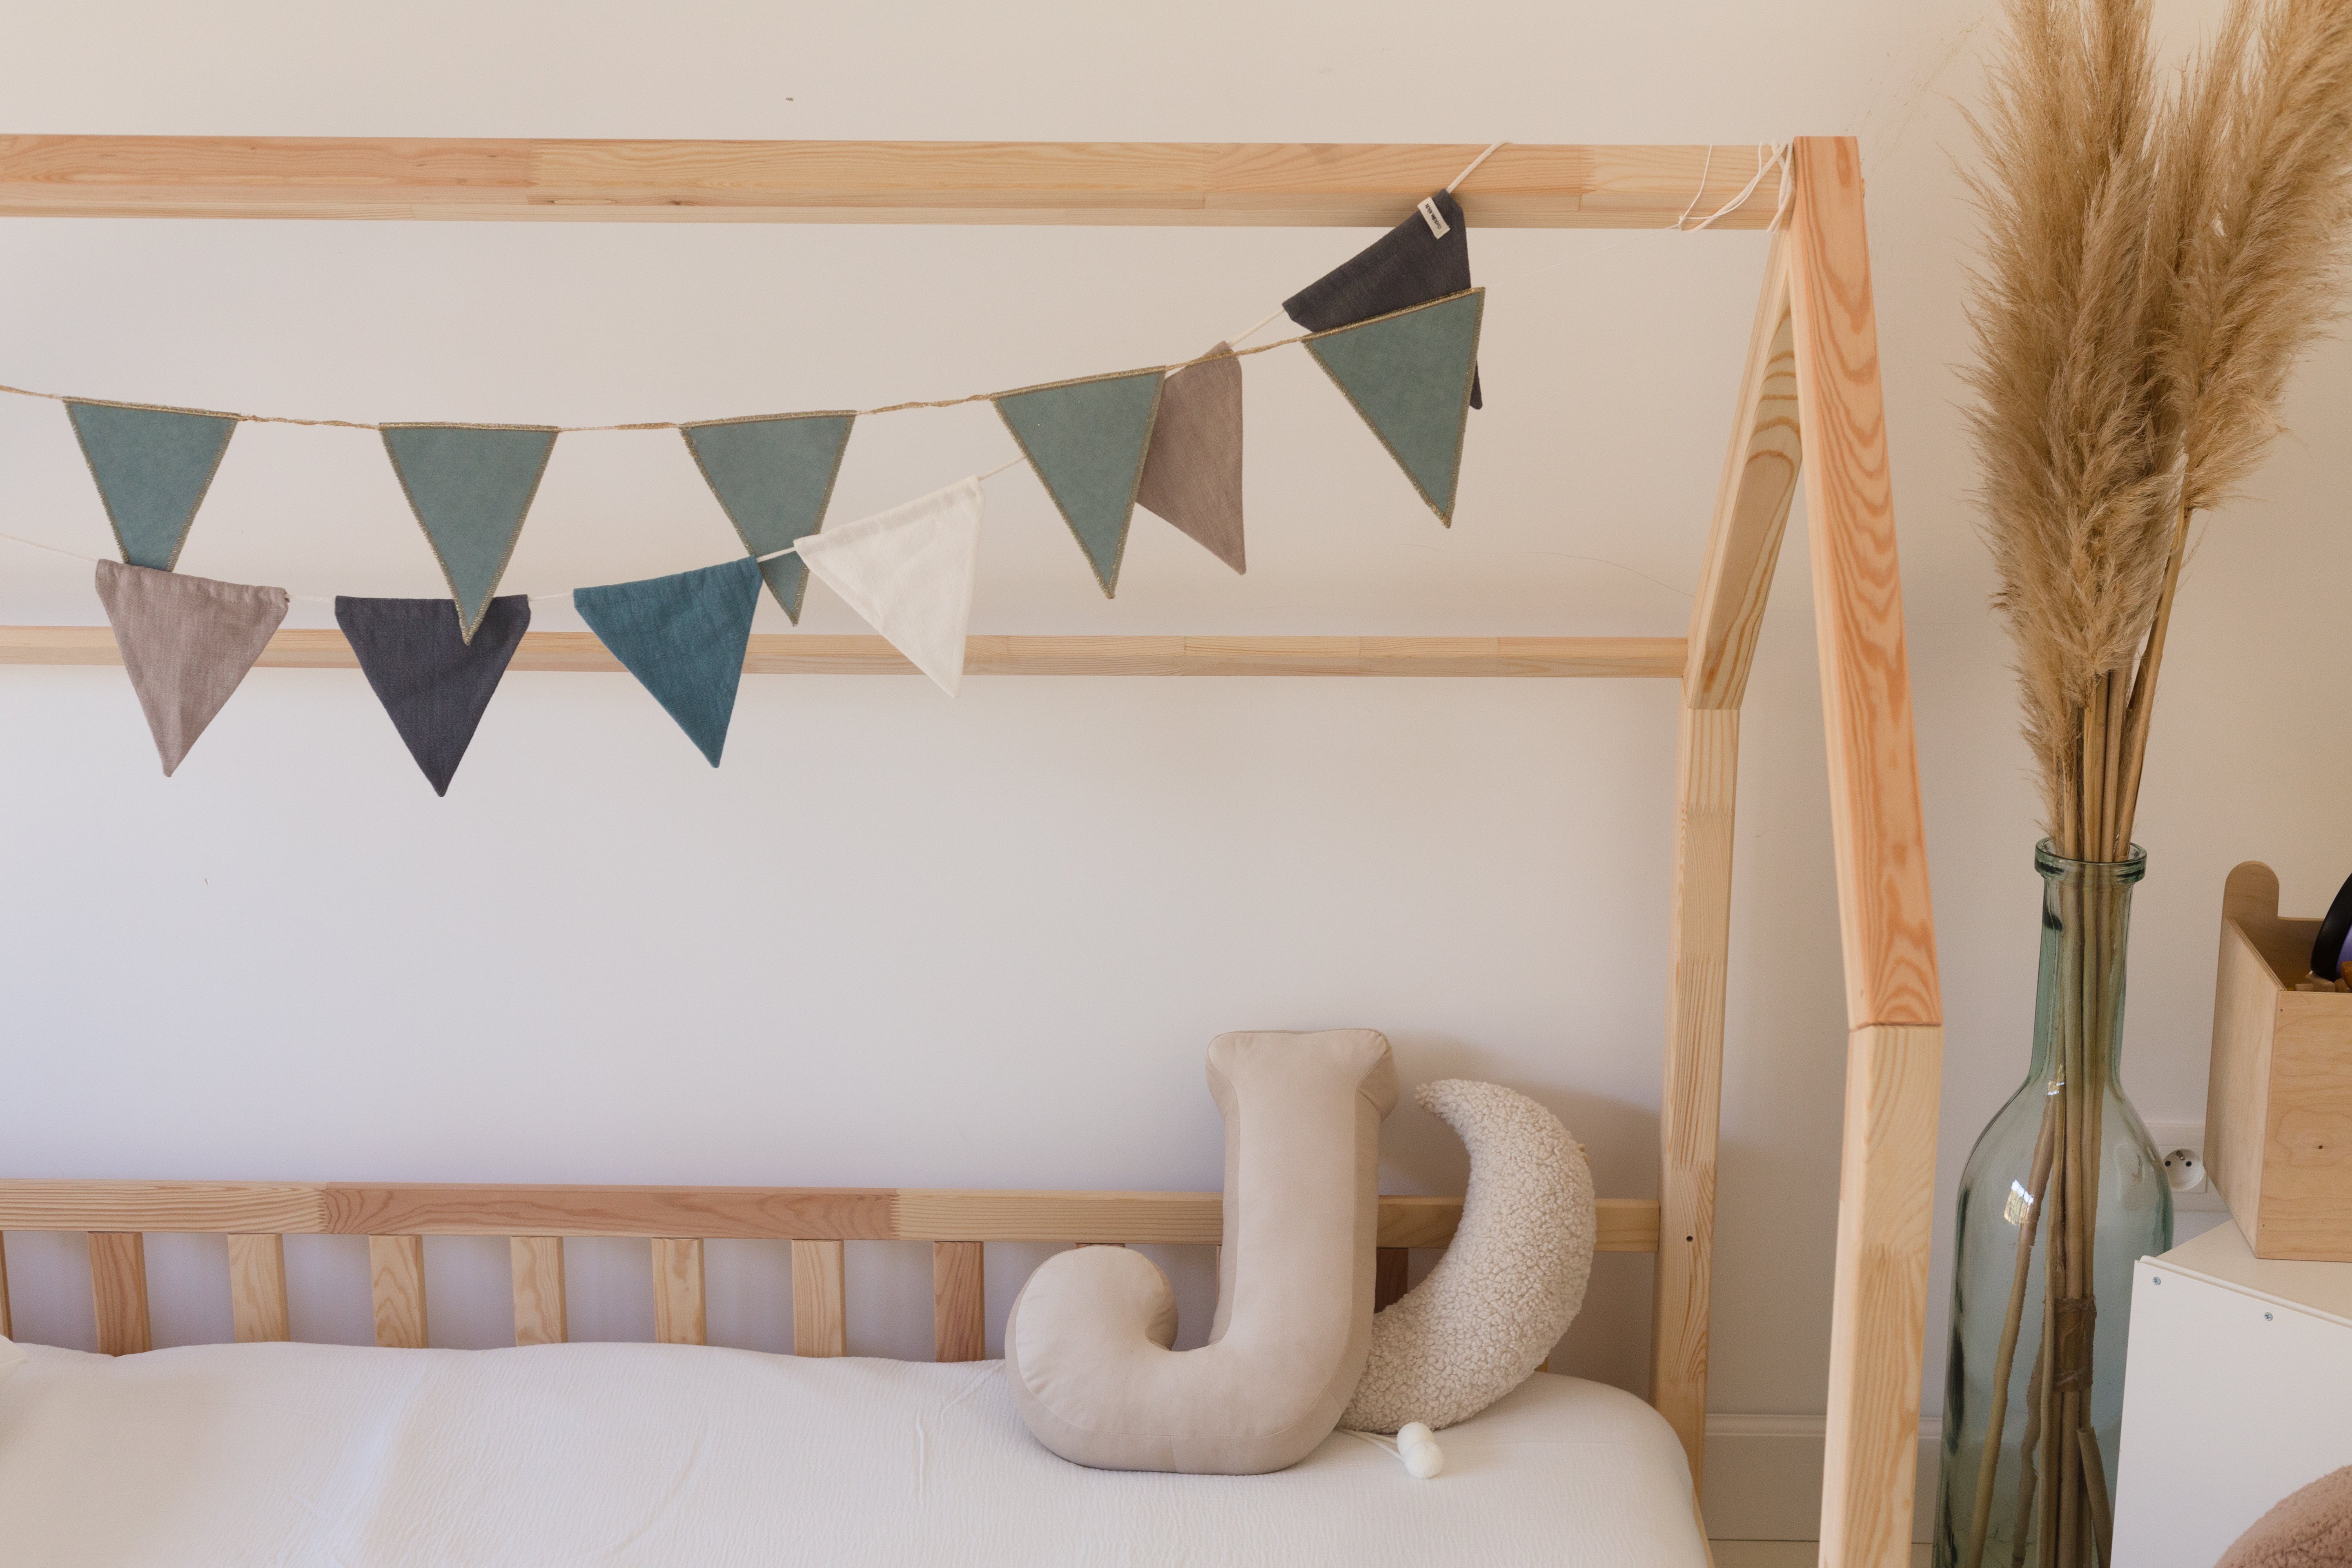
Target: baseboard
1764,1477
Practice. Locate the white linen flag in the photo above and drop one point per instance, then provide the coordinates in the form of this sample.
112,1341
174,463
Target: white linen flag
909,572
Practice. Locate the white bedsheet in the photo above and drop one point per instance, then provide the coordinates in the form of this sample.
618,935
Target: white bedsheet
617,1454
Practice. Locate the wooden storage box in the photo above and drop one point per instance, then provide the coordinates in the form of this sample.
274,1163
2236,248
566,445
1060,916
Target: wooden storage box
2278,1111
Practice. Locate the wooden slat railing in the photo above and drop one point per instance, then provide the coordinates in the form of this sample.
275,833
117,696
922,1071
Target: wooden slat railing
1369,184
817,653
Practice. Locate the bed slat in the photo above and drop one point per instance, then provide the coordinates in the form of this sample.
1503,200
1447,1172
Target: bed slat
256,1288
396,1281
117,1291
820,1311
540,1317
1388,1275
679,1318
959,1301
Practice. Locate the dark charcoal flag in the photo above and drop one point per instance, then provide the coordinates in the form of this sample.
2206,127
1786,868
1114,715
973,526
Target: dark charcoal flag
1193,474
773,477
1087,439
153,466
433,683
470,487
683,637
186,643
1409,375
1409,264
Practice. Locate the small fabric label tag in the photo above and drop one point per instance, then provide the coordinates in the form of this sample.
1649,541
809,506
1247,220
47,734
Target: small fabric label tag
1438,227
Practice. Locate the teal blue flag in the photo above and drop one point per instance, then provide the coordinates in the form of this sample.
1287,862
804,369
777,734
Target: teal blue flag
469,486
684,639
1409,375
774,479
153,466
1086,440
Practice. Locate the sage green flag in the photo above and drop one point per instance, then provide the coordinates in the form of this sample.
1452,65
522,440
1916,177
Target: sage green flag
1087,439
470,487
153,466
773,477
1409,375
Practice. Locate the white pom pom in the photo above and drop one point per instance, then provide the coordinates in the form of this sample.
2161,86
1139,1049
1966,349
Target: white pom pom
1417,1447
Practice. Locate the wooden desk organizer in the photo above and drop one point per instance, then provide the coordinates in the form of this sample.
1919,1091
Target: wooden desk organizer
2278,1111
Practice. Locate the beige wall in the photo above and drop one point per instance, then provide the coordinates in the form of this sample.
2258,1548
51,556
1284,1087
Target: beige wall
901,940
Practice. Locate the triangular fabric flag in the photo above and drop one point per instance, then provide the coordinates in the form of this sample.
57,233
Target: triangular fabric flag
1192,473
907,573
1409,375
432,681
186,643
153,466
470,487
1410,265
1086,440
774,479
683,637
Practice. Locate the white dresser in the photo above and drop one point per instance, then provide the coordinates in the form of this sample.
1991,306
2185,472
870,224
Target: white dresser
2239,1391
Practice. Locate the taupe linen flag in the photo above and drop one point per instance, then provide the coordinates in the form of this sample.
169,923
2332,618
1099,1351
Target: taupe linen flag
186,643
1193,471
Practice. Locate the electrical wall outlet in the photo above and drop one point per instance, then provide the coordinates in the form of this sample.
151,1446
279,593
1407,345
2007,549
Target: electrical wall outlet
2181,1145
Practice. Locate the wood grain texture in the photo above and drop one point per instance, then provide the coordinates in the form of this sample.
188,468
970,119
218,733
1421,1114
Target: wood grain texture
8,1323
754,1214
117,1291
396,1285
680,1316
1366,184
1878,1313
197,1206
820,1298
540,1317
258,1310
1707,774
1881,843
1388,1275
959,1301
770,1213
813,653
2246,992
1751,503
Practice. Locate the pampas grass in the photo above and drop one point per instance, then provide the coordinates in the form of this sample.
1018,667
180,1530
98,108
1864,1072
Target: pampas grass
2158,253
2158,250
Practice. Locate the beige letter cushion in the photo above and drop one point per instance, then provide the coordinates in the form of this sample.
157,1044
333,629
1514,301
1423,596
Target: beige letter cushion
1087,1348
1509,1284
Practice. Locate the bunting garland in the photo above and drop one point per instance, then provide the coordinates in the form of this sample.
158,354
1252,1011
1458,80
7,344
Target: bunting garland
1086,440
434,681
153,466
186,643
773,477
1192,472
683,637
1409,375
1396,328
470,487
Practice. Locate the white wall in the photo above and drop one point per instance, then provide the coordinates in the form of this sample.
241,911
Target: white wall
901,940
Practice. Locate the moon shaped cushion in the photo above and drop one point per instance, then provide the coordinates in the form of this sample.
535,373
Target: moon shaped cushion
1087,1348
1509,1284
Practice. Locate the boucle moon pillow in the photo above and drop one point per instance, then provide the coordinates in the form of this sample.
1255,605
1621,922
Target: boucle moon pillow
1087,1348
2310,1529
1509,1284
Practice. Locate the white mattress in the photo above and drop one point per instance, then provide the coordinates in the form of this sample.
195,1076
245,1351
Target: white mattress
619,1455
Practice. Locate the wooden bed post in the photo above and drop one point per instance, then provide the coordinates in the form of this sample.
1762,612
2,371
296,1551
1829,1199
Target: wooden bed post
1893,1012
1751,508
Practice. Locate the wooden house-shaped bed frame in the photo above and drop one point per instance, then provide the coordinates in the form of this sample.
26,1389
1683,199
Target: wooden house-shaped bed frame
1809,406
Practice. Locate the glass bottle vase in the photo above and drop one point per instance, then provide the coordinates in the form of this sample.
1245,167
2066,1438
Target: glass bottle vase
2065,1170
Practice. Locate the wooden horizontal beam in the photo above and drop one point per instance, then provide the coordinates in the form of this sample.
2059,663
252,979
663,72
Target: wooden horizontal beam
798,1214
809,653
1360,185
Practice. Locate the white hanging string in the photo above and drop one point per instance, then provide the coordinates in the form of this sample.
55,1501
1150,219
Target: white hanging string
1474,166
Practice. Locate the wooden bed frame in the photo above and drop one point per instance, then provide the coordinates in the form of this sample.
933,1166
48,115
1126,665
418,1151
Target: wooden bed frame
1811,391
